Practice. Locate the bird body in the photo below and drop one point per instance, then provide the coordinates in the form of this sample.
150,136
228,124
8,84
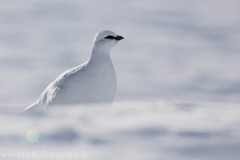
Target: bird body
92,82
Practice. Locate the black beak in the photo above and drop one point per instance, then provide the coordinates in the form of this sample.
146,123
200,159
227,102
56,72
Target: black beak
118,38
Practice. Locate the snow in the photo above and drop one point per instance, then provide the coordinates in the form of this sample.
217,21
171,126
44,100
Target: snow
127,130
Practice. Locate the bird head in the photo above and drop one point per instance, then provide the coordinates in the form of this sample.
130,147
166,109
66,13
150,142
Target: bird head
105,40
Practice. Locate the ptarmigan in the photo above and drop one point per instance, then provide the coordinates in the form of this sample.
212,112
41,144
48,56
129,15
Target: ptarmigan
92,82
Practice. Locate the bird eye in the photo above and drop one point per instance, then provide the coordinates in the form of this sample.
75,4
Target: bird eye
109,37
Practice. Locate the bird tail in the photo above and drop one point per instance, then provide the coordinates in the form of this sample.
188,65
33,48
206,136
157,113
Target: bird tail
34,105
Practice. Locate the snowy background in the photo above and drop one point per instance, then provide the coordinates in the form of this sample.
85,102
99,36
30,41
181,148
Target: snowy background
176,53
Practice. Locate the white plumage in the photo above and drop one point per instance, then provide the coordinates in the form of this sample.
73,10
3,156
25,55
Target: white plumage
92,82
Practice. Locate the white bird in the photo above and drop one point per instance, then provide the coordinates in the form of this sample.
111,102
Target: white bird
92,82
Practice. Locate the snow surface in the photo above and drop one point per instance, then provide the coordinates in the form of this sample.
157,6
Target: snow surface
134,130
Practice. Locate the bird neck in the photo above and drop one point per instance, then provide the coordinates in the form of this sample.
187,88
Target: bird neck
99,53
